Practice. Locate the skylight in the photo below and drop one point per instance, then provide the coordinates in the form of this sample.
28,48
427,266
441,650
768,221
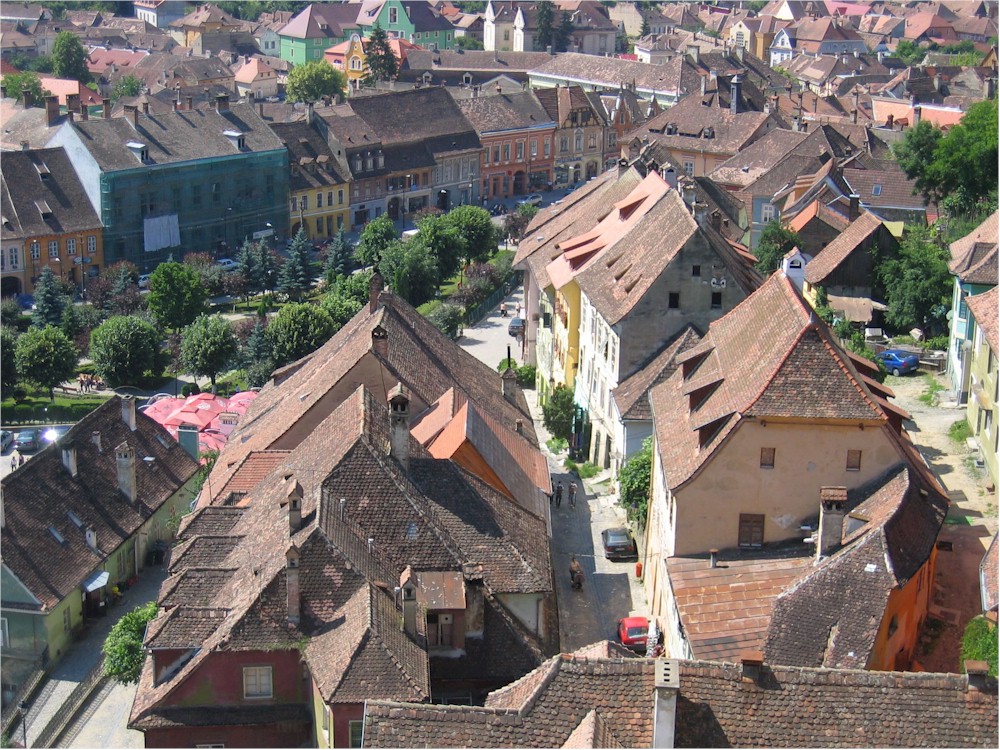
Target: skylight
75,519
58,537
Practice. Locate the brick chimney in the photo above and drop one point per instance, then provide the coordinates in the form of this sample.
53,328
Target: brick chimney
132,114
380,342
508,383
751,661
84,112
106,109
26,98
854,208
399,426
831,520
222,103
128,411
68,448
73,102
375,287
51,110
125,460
292,584
294,498
666,685
408,594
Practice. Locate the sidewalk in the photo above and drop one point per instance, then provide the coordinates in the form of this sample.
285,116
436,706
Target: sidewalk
82,656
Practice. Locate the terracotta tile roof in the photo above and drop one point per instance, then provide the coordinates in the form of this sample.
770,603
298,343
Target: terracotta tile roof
840,249
816,210
211,521
894,189
975,254
201,551
847,594
183,627
758,158
169,717
322,20
746,365
313,162
39,495
250,472
426,114
489,114
984,309
726,610
578,68
193,587
632,396
716,707
454,62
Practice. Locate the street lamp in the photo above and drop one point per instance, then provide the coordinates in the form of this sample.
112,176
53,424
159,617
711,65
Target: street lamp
22,708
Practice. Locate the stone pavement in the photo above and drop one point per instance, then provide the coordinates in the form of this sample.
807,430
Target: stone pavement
82,656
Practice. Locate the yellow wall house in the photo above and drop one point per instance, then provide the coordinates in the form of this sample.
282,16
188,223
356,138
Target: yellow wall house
82,517
350,59
984,384
791,465
319,183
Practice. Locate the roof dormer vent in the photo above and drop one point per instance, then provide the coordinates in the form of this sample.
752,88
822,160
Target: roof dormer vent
43,171
139,150
238,139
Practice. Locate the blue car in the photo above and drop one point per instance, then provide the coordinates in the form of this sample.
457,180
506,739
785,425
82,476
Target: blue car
898,362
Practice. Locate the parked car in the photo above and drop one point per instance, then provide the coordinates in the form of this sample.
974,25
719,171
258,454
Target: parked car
227,264
6,440
535,199
144,281
618,544
898,362
632,632
27,440
52,434
516,327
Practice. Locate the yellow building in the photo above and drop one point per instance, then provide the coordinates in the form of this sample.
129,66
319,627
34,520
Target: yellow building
351,58
984,382
319,184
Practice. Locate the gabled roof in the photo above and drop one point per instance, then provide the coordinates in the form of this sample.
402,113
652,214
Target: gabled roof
39,495
632,396
984,309
426,114
827,260
322,21
716,707
313,162
974,256
768,357
832,615
203,14
491,114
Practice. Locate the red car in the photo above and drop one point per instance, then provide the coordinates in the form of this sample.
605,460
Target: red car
632,632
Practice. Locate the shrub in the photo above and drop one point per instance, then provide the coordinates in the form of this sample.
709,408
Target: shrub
526,376
588,470
938,343
979,642
123,651
447,319
557,445
189,389
960,431
21,413
558,413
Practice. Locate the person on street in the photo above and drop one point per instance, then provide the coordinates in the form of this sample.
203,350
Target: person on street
559,493
572,494
575,573
13,461
503,309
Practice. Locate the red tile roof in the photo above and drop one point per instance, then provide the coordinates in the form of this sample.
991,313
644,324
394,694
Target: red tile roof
839,250
984,309
974,256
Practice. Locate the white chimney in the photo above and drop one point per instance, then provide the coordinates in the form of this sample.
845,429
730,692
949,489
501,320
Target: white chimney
95,438
69,457
399,426
831,520
128,411
508,383
292,584
91,535
667,683
125,460
408,593
294,507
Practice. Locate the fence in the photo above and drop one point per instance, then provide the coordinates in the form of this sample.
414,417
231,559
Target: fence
27,688
58,723
474,314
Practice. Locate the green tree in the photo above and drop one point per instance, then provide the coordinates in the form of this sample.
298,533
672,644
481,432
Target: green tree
69,58
50,300
545,35
382,63
411,269
477,230
123,650
774,242
915,155
249,259
468,42
564,33
516,223
257,357
313,80
979,642
644,30
376,237
910,53
444,242
296,274
917,283
448,319
558,412
16,83
341,305
338,257
46,357
267,266
634,480
8,365
123,348
208,347
176,295
298,330
128,85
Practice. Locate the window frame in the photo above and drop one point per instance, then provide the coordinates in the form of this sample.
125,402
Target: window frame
853,460
673,300
259,670
751,530
716,301
355,732
767,457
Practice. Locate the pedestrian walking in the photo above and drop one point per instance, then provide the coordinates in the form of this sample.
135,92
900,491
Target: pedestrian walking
559,493
21,459
518,310
572,494
13,461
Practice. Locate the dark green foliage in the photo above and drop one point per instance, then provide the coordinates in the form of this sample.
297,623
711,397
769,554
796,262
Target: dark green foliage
313,80
208,346
545,35
10,312
16,83
525,373
340,304
375,239
123,348
46,357
447,319
468,42
634,481
774,242
128,85
339,254
8,365
910,53
69,58
644,30
123,651
444,243
297,330
295,276
382,63
558,412
917,283
477,230
411,270
515,223
176,295
50,300
258,357
190,389
563,35
979,642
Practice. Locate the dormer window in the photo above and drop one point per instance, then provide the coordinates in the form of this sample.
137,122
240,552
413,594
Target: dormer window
238,139
43,209
139,150
43,171
380,160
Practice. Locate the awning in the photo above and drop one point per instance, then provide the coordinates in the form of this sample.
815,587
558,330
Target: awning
95,580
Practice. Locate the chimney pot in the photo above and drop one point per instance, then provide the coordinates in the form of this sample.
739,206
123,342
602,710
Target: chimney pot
95,438
519,426
752,661
399,425
831,520
408,593
128,411
714,557
294,498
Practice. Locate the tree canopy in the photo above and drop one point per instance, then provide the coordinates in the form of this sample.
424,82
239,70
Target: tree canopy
176,295
444,242
558,412
128,85
544,20
8,363
297,330
376,237
46,357
50,300
123,651
411,270
382,63
208,347
257,357
774,242
634,479
295,276
16,83
69,58
918,284
313,80
123,348
477,230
